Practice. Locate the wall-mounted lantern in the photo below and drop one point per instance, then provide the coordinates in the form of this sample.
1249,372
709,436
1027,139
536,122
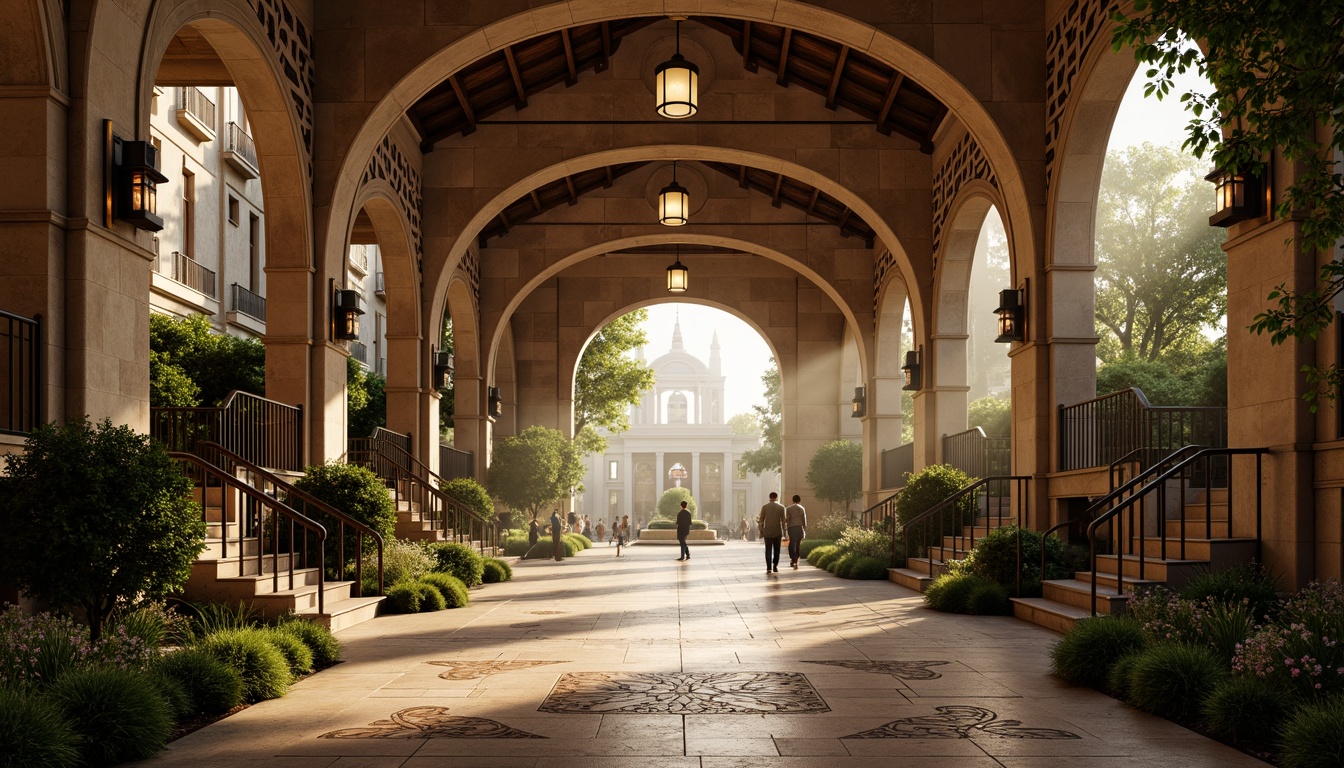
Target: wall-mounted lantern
1012,316
859,404
133,177
494,403
677,85
913,369
1240,197
346,309
443,368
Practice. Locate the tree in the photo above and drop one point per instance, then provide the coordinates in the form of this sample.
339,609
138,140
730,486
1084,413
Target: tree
1161,273
1190,376
770,456
669,504
745,424
836,472
1276,87
991,414
534,469
190,364
448,395
608,382
94,515
354,490
366,400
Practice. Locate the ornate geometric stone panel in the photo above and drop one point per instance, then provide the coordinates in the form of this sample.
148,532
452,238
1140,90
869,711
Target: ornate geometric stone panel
294,46
965,163
959,722
391,165
884,264
905,670
710,693
431,723
1066,46
474,670
471,267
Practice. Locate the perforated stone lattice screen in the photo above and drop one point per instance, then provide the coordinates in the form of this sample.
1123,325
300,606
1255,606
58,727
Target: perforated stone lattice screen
966,162
294,45
391,165
1066,44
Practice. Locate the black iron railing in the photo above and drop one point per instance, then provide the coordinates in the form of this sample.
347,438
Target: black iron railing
1138,511
454,463
953,525
1099,431
880,515
198,104
977,455
239,142
896,464
264,432
247,302
360,351
187,271
259,532
21,351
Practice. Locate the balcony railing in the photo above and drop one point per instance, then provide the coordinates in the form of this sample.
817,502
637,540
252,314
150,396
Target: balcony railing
1100,431
200,109
187,271
454,463
359,258
896,462
21,353
360,351
977,455
239,151
247,302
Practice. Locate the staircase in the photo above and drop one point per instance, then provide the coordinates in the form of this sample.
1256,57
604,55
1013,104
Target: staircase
998,501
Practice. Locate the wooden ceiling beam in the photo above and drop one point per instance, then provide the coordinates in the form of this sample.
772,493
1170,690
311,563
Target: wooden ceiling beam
742,176
892,87
516,75
746,48
812,204
835,76
569,57
781,74
606,46
779,184
464,103
610,179
573,193
536,201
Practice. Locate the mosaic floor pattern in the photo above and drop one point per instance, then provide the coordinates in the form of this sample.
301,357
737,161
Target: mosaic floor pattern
704,693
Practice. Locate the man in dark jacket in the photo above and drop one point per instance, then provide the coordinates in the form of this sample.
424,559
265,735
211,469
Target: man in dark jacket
557,530
684,530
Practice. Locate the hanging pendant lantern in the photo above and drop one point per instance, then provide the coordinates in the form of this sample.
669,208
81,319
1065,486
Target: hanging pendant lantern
674,203
677,85
678,276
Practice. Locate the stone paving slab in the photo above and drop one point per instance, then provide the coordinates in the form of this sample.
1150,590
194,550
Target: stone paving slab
599,662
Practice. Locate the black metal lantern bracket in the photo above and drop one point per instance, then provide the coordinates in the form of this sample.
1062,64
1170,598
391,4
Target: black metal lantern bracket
130,181
346,307
914,369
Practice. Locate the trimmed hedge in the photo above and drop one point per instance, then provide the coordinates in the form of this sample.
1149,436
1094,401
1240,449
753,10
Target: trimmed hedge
458,560
869,568
415,597
452,589
989,599
495,571
543,550
951,592
808,545
118,713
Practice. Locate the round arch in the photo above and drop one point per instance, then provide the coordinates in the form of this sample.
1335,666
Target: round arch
952,281
395,243
792,13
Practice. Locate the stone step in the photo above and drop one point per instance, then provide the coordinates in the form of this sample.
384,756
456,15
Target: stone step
344,613
916,580
1078,594
1172,571
1109,581
1195,548
303,597
1195,526
1051,614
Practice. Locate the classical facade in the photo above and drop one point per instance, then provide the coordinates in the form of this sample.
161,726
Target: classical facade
506,158
678,437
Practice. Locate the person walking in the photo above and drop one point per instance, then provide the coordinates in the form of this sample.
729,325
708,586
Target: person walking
557,528
771,524
683,531
795,520
533,531
601,529
619,532
745,527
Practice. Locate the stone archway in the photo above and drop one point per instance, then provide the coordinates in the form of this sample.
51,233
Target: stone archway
470,424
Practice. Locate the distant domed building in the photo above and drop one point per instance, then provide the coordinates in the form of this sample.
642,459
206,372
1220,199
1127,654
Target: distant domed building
678,437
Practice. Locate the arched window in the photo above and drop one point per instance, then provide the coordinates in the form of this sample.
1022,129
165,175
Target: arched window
676,409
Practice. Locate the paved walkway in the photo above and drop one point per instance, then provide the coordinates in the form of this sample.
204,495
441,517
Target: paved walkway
601,662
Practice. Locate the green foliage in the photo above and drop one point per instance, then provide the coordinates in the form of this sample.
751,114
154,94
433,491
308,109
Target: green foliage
670,503
95,514
992,415
830,527
1225,626
836,472
326,649
1086,653
1201,379
989,599
534,469
544,551
190,364
457,560
1117,679
354,490
472,494
951,592
1275,93
34,732
516,546
608,381
929,486
1247,709
770,456
209,618
1314,736
415,597
212,687
405,561
995,557
366,399
578,541
869,568
296,653
809,545
263,669
118,713
452,589
842,565
865,543
745,424
1171,680
173,693
819,555
1252,583
496,571
1161,273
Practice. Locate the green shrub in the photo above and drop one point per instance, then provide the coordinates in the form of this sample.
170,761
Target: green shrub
415,597
296,653
404,561
357,492
1117,680
1086,653
1247,709
544,549
658,524
516,547
1302,650
926,488
808,545
452,589
1166,617
326,649
209,618
989,599
1252,583
699,525
1226,626
457,560
670,503
869,568
822,556
829,527
951,592
212,687
263,668
1314,736
865,543
34,732
1172,680
495,571
118,714
472,494
578,541
52,644
173,693
995,557
842,565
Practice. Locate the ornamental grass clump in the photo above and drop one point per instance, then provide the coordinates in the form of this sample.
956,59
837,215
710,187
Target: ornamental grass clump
1247,709
263,669
118,713
1252,584
325,647
951,592
415,597
34,732
1172,680
989,599
1088,651
296,653
1314,736
212,687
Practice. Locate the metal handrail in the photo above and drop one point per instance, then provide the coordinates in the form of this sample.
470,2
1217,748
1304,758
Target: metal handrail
276,487
1158,482
256,524
455,463
247,302
263,431
959,538
1066,524
21,346
977,454
1092,432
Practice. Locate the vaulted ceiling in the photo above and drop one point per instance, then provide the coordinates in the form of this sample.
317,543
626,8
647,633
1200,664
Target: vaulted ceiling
842,76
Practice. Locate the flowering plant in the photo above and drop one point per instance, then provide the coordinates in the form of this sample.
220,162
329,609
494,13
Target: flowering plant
36,649
1304,654
1168,618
